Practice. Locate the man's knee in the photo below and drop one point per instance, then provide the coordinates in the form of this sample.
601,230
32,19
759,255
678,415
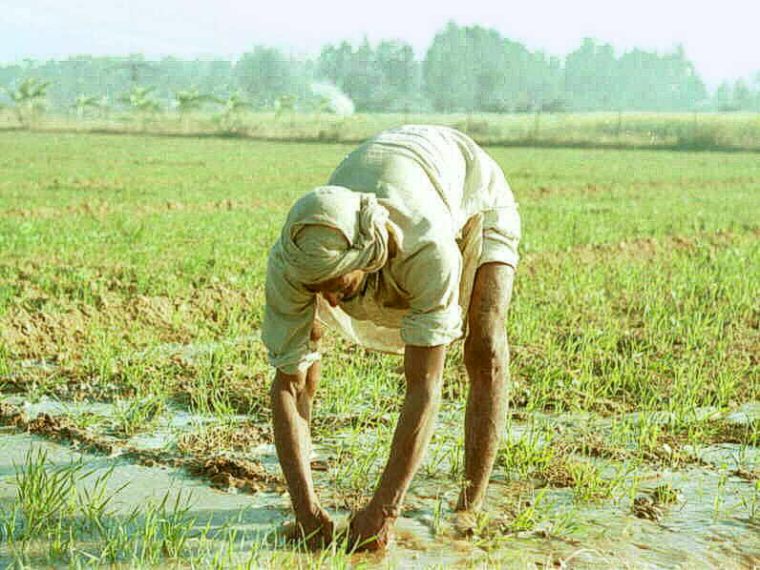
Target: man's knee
316,331
294,384
491,292
485,352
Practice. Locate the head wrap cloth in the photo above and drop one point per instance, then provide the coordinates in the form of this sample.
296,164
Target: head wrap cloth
311,248
329,232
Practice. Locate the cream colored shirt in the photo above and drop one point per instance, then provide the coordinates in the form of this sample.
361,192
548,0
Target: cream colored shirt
454,210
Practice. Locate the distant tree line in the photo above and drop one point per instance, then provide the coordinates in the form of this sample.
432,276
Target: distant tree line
465,69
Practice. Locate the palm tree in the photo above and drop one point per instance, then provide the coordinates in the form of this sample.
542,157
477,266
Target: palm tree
139,99
233,106
141,102
190,101
29,100
84,102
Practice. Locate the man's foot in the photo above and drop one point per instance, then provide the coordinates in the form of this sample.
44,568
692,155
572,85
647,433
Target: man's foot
369,530
465,524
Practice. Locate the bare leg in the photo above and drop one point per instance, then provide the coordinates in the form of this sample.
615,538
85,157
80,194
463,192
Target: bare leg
486,356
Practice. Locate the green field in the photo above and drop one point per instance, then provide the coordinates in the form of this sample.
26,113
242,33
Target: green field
634,130
132,274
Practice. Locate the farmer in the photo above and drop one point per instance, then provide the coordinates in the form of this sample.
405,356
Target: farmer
410,246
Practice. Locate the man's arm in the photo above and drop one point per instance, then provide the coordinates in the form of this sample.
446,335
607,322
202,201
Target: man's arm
292,396
423,367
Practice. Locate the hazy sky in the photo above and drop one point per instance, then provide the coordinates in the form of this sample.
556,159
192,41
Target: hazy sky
722,37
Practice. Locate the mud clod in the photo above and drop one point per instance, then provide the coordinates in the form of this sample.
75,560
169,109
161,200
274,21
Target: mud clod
558,473
212,440
746,474
10,415
652,506
647,508
230,473
61,429
223,472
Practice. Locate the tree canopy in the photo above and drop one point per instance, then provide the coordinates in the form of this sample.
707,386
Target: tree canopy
465,69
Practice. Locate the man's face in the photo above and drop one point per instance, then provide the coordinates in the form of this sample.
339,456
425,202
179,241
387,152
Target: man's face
340,288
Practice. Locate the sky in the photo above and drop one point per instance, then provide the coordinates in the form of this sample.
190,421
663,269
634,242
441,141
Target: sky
722,38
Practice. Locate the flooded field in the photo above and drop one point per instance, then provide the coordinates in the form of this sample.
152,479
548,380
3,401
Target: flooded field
227,504
134,416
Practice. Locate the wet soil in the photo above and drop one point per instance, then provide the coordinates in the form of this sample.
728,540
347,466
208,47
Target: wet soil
221,471
240,437
229,473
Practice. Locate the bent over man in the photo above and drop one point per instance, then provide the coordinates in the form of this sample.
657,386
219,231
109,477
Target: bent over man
410,246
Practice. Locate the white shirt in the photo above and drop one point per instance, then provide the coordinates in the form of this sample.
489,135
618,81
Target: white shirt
450,201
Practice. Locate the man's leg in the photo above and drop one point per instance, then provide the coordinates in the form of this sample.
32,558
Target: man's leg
486,356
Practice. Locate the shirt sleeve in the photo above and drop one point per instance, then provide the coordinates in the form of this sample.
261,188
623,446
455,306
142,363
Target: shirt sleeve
431,278
288,319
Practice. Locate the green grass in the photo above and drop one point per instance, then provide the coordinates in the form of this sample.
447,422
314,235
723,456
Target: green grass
637,286
132,267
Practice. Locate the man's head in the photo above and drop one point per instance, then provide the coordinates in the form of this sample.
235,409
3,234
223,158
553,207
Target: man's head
332,238
318,240
340,288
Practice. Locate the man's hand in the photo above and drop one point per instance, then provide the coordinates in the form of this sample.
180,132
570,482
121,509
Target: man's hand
315,527
369,529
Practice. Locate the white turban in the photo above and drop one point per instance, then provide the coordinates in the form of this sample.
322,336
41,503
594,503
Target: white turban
329,232
311,248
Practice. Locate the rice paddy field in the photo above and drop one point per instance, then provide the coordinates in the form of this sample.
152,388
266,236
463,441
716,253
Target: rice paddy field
134,418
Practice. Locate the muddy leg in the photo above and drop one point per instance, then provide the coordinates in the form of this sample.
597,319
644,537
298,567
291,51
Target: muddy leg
486,357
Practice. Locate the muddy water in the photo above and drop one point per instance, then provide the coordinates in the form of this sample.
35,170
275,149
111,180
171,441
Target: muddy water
711,525
692,533
143,483
708,526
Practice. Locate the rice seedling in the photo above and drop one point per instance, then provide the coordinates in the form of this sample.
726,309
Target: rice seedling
529,516
175,523
93,501
528,456
116,540
720,494
45,494
135,415
752,504
210,393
